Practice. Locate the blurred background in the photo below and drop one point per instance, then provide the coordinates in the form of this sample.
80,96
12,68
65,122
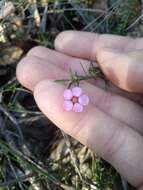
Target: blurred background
34,154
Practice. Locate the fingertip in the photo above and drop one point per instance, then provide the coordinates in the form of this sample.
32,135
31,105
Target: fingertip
22,71
63,40
35,51
48,90
76,43
29,71
46,94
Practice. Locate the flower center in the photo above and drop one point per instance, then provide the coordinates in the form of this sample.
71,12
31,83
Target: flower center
74,99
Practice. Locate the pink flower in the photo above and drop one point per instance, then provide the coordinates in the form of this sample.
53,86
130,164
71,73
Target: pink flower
75,100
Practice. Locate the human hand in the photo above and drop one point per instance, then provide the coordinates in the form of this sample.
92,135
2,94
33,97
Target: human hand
111,125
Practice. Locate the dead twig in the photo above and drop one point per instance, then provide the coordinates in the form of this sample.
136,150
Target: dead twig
124,183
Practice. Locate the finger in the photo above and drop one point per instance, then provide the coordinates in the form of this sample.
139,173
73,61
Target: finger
117,106
41,63
36,70
85,44
110,138
124,70
61,60
75,64
136,97
31,70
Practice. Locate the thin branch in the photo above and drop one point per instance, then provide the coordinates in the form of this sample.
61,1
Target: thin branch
44,19
124,183
134,23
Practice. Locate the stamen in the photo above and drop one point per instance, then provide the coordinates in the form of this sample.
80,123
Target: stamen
74,99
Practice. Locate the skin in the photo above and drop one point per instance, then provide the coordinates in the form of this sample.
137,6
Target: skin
112,124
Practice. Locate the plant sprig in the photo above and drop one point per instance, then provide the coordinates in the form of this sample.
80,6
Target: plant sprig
92,73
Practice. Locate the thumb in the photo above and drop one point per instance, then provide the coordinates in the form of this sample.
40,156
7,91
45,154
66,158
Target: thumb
124,69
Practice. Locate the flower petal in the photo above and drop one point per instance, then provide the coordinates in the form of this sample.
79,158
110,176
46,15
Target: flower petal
68,105
76,91
83,100
68,94
77,107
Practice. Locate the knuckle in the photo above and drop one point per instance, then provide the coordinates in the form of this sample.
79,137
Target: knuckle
114,143
79,127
